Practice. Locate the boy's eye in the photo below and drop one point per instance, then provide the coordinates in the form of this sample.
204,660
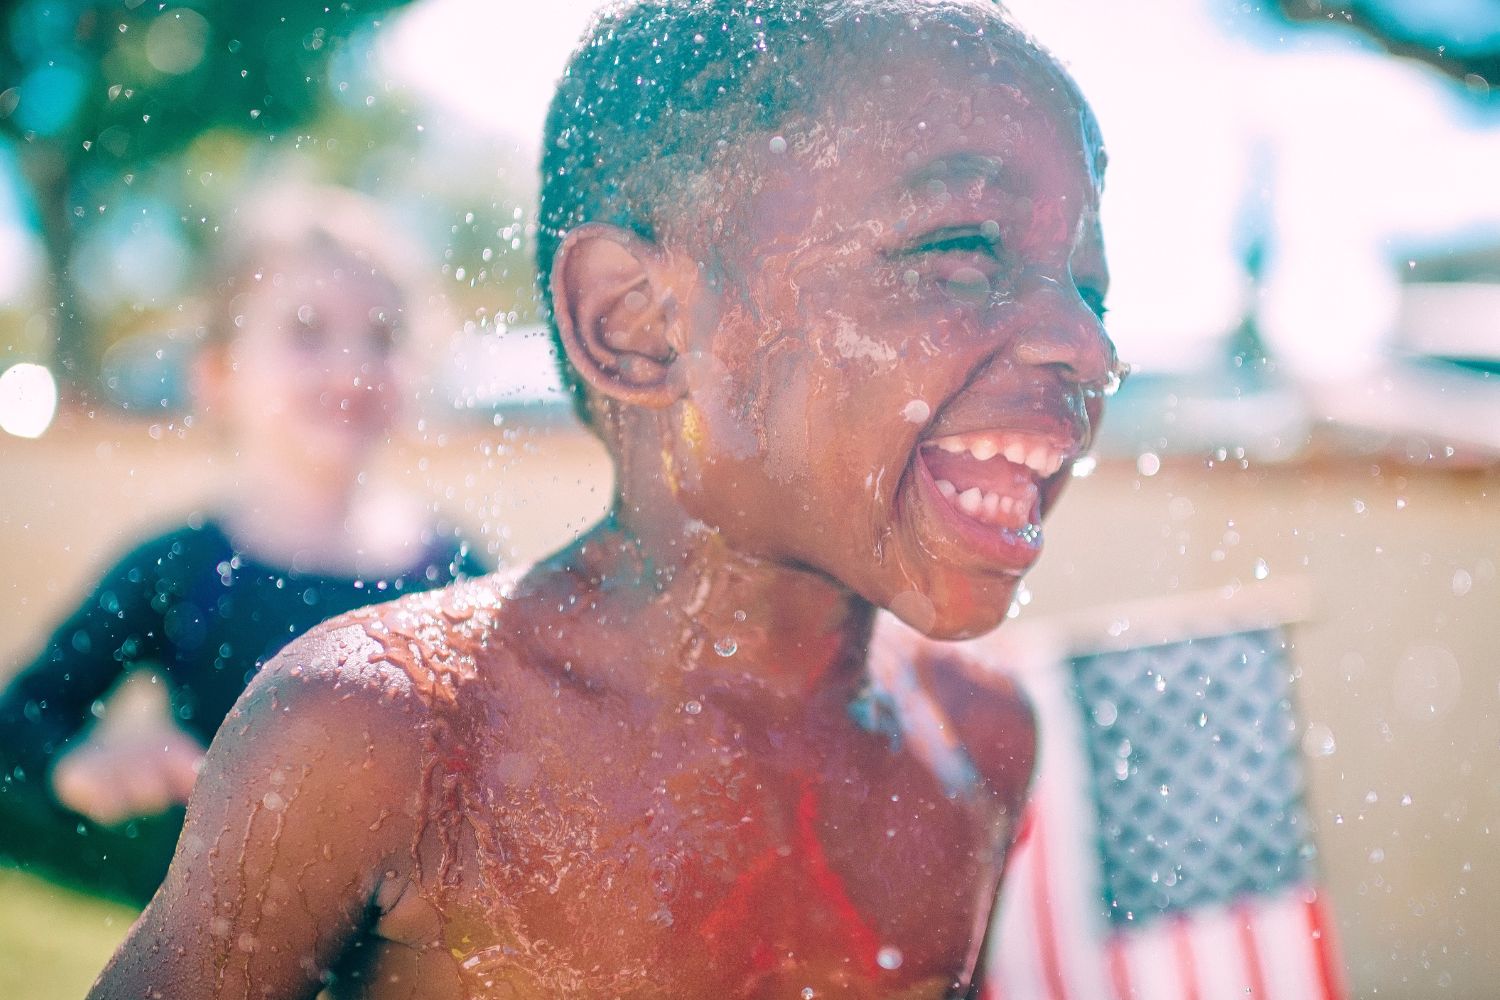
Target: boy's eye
957,240
964,261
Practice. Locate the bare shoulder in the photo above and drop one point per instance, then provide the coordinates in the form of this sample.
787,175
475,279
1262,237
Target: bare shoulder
414,656
364,691
306,822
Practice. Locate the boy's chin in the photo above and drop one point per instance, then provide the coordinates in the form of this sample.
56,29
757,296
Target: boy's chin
953,619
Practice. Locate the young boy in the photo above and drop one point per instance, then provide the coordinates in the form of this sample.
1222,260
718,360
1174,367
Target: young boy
828,276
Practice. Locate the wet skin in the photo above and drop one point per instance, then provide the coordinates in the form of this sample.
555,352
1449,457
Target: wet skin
657,765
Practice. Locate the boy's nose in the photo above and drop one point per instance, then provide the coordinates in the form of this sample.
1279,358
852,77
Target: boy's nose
1057,328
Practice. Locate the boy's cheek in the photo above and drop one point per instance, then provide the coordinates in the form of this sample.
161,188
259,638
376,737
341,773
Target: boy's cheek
896,307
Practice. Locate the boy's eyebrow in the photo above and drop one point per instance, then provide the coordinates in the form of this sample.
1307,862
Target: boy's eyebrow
964,166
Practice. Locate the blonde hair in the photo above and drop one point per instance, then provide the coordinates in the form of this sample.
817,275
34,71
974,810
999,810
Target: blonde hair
292,219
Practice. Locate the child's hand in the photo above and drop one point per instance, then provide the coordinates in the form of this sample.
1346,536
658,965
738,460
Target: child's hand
124,775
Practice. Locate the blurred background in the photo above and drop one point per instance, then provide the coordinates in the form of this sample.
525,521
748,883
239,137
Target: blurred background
1303,217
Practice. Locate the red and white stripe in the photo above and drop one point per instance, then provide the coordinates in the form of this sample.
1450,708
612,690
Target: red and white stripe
1050,947
1053,941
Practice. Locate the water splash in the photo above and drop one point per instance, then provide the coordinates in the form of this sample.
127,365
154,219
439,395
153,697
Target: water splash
1318,741
917,411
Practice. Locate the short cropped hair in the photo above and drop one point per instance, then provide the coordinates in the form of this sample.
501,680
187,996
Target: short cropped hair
658,89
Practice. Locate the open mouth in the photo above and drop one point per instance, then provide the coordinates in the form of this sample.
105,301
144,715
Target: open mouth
997,480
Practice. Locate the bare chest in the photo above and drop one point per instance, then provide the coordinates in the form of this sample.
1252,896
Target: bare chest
680,861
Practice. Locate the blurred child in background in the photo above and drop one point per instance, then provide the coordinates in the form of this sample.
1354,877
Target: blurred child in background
302,373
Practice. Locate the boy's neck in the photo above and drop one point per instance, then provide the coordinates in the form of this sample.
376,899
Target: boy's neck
704,620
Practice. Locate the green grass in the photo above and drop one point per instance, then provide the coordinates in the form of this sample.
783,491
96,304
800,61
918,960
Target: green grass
54,941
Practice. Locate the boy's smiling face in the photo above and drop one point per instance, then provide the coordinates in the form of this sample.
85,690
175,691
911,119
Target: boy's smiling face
904,352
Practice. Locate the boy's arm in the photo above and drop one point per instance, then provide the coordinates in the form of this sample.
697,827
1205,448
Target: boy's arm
982,715
304,807
997,727
991,717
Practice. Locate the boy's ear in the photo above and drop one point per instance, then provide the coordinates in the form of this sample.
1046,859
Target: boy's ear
616,314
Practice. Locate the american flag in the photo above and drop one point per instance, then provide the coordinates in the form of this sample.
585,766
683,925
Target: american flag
1166,853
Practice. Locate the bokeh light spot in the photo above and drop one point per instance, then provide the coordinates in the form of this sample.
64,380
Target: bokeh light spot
28,400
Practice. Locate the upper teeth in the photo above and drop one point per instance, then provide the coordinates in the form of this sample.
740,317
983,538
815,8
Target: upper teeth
1023,449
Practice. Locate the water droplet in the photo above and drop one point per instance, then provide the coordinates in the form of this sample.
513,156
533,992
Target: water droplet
1261,569
693,707
1116,378
778,144
1318,741
1105,713
1085,466
1149,464
726,646
917,411
969,284
888,958
808,993
1462,582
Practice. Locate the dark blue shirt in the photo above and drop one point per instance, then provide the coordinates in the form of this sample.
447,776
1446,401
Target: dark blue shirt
203,614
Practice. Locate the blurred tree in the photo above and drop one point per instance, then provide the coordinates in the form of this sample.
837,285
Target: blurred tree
1459,37
94,93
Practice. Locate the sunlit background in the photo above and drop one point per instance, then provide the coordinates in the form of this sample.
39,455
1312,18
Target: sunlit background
1303,220
1281,188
